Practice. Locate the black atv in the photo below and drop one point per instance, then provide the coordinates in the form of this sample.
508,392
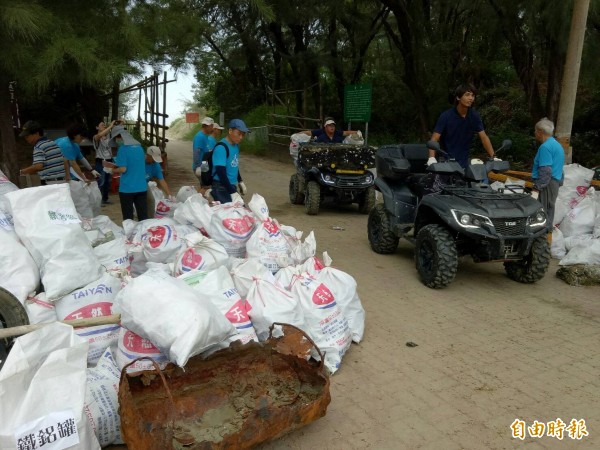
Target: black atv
336,172
452,214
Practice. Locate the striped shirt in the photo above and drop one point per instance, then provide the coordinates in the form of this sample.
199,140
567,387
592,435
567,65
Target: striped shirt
48,153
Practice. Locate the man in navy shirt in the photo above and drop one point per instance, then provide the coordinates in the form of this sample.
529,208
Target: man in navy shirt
455,128
328,134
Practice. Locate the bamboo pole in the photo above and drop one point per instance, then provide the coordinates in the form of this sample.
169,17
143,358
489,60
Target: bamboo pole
78,323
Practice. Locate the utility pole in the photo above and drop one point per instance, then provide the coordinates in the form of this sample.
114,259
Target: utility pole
568,92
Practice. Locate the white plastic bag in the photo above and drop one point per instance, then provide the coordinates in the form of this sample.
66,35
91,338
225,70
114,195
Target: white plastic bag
172,315
199,253
580,219
160,240
295,140
588,253
47,224
42,387
343,288
231,225
324,319
558,249
194,211
267,243
185,192
101,400
86,198
244,272
354,139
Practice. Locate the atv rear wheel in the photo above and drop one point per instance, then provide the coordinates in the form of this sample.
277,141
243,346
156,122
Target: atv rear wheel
12,314
534,266
296,192
366,200
313,198
436,257
382,238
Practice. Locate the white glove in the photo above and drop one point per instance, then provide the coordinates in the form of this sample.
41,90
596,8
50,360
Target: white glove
96,174
107,169
535,194
476,161
497,159
243,189
198,172
359,134
431,161
207,195
172,198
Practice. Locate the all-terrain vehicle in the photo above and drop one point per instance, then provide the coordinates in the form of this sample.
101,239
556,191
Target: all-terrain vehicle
337,172
463,216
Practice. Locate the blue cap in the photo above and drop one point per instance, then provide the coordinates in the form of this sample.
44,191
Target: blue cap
239,124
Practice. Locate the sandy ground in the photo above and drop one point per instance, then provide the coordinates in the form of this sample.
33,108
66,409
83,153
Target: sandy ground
489,350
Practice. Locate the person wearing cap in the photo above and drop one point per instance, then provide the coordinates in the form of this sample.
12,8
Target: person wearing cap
200,144
103,153
328,134
153,169
131,164
214,136
48,161
71,151
226,158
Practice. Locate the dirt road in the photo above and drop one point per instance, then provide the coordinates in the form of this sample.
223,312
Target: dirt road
489,350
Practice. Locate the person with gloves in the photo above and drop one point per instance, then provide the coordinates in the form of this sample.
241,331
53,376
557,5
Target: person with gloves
48,161
103,153
547,173
69,146
154,171
226,174
200,145
328,134
456,126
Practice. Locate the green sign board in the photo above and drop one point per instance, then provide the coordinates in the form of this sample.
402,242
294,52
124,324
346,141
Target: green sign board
357,102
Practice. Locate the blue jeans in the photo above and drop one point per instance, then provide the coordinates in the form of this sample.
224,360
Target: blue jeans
220,193
105,179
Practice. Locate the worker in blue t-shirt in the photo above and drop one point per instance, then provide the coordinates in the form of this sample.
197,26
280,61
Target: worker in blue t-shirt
328,134
456,126
200,144
69,147
131,164
226,174
215,135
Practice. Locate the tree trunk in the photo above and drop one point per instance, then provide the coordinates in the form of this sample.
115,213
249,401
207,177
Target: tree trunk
8,153
115,99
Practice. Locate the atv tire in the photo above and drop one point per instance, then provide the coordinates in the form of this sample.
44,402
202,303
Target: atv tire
382,238
366,200
296,190
436,257
534,266
313,198
12,314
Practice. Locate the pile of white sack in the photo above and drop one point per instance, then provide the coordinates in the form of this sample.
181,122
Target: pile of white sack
576,232
186,284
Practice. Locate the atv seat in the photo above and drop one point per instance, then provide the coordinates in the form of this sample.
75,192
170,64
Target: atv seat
399,160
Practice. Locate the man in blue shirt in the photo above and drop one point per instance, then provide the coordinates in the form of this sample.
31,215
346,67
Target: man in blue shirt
153,169
71,151
456,126
328,134
547,172
48,161
226,174
131,164
215,135
200,144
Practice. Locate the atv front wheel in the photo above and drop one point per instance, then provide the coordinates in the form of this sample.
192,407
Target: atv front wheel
534,266
12,314
296,193
366,200
436,257
313,198
382,238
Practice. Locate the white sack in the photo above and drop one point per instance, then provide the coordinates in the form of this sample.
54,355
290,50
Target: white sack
159,240
295,140
286,274
19,274
199,253
324,319
113,255
576,241
343,288
86,198
185,192
270,303
172,315
267,243
195,211
101,400
231,225
6,185
243,273
93,300
558,249
39,310
131,347
583,254
580,219
47,224
45,374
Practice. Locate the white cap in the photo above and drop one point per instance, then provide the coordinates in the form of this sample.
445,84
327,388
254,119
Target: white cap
329,122
154,151
208,121
216,126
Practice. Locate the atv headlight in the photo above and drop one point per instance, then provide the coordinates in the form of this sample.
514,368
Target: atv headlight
368,178
468,220
538,219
